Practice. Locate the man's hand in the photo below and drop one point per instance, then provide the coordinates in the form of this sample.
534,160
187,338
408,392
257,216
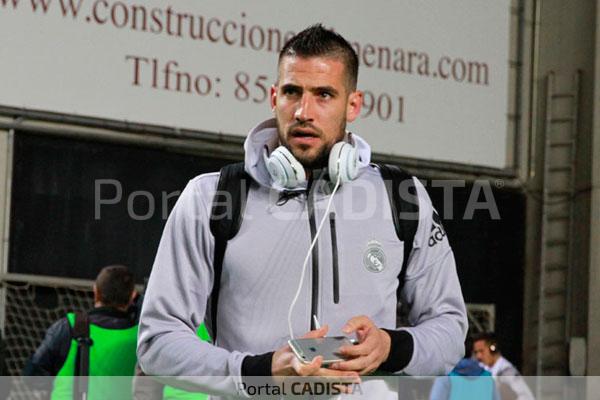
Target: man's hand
285,362
373,348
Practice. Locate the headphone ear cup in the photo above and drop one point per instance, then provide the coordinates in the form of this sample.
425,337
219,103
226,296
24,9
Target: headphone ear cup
343,162
285,169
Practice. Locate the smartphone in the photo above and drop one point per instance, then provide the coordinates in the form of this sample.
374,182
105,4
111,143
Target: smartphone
327,347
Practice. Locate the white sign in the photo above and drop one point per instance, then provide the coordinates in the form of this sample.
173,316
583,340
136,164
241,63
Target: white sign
435,73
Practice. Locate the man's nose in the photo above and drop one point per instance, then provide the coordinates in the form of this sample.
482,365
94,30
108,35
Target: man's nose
304,111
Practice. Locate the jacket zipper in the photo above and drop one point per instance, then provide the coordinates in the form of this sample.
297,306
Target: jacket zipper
334,259
310,204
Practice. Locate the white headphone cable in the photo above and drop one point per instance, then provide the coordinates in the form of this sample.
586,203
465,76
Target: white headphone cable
337,185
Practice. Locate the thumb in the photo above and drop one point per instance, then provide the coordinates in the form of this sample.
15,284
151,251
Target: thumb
318,333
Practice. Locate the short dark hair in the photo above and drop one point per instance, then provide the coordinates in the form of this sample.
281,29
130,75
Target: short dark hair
115,284
488,337
316,41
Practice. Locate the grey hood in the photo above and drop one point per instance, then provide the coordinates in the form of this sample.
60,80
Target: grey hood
265,135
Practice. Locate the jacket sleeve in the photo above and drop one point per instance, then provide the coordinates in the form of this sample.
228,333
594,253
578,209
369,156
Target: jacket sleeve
49,357
512,385
176,298
51,354
437,314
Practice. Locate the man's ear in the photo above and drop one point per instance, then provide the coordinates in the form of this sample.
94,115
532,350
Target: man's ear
273,97
354,105
133,296
96,294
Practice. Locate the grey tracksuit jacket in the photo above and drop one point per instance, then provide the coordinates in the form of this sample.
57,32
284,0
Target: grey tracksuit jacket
262,268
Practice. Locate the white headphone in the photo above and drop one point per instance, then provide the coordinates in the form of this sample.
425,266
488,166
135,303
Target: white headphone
289,173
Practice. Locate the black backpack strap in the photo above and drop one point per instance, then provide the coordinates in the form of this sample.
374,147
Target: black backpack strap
81,334
404,203
225,220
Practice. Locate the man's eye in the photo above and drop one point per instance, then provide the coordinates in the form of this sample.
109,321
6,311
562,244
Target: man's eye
290,91
325,95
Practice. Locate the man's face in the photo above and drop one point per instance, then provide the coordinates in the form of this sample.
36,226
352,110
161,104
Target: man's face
312,104
482,352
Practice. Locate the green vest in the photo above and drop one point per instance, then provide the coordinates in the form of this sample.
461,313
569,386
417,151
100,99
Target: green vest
171,393
111,366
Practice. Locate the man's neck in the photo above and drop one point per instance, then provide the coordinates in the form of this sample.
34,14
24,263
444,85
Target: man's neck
99,304
495,361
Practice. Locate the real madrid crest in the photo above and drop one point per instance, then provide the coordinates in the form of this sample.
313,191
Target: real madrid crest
374,258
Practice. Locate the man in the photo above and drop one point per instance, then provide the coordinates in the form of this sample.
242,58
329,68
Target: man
354,267
511,384
467,380
112,330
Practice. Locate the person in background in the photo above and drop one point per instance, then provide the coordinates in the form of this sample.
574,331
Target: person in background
510,382
113,333
468,380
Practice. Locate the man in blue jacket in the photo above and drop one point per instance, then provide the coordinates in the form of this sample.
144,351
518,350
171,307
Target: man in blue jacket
467,380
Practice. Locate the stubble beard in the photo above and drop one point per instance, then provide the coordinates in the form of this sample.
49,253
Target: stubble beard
310,160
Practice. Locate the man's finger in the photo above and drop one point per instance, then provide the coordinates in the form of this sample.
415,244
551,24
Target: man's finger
357,364
367,370
315,368
317,333
345,376
362,349
310,368
355,323
361,334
